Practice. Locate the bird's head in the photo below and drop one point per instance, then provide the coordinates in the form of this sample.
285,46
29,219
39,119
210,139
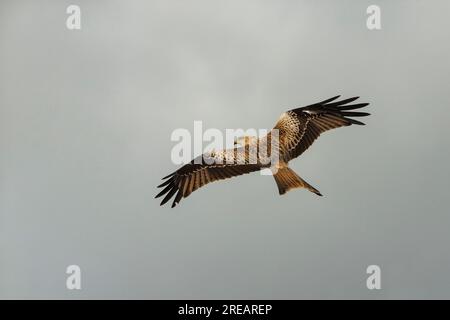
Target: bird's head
245,140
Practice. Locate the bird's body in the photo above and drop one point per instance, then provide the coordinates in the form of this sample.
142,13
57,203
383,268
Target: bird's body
295,131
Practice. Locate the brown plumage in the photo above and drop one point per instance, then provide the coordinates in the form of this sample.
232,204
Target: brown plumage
297,130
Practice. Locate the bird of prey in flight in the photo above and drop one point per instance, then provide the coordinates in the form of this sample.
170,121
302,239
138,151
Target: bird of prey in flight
297,130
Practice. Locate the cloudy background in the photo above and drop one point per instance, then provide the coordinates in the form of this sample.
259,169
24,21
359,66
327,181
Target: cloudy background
85,124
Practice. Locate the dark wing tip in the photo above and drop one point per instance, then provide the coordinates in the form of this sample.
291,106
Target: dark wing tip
332,105
325,101
330,99
355,114
352,106
171,187
353,121
168,176
169,194
317,104
165,190
164,183
343,109
177,198
339,103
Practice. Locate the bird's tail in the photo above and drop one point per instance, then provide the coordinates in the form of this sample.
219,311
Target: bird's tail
287,179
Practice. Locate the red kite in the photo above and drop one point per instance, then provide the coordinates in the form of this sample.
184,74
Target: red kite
297,130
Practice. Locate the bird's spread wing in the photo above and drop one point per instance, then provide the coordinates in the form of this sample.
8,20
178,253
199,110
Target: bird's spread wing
298,128
196,174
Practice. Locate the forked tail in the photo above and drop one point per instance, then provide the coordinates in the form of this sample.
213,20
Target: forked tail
287,179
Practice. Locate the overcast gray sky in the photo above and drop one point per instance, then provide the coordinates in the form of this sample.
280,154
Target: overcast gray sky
85,124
